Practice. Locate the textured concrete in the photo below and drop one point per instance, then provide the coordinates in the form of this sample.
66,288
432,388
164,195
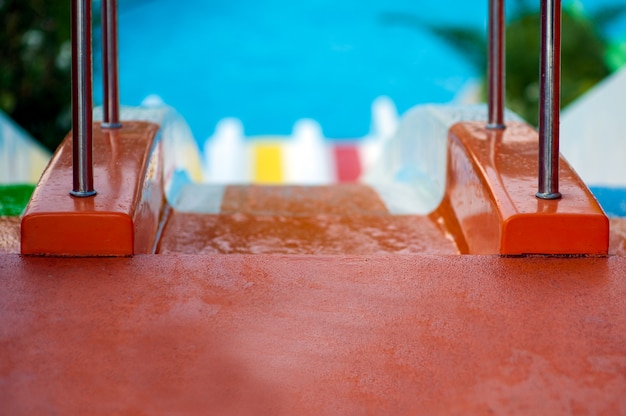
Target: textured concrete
269,334
9,234
617,238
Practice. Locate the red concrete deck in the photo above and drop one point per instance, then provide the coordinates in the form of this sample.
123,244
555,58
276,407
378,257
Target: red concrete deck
332,335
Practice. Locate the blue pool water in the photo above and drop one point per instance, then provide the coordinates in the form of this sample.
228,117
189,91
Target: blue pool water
272,62
612,200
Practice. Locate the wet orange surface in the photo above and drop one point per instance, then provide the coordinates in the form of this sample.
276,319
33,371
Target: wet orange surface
315,234
332,335
492,181
121,219
10,231
337,199
338,219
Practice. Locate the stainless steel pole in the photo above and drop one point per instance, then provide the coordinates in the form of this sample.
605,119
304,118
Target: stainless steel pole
495,71
82,105
550,100
111,106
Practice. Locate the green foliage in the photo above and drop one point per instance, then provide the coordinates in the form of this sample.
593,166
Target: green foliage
582,61
585,55
616,55
35,87
14,198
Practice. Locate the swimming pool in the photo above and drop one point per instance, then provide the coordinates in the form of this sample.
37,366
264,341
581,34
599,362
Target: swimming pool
273,62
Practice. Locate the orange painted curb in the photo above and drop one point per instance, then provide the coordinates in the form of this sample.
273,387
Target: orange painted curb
121,220
492,181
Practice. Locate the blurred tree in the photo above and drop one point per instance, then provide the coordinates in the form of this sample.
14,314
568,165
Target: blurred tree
616,55
584,51
35,83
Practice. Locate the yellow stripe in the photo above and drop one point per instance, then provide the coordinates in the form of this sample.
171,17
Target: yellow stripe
267,164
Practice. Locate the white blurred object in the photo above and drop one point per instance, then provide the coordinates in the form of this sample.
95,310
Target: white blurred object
384,117
307,160
411,173
226,154
22,159
384,126
153,100
200,198
593,133
182,162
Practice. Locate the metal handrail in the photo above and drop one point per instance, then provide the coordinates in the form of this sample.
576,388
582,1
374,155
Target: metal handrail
82,88
495,71
82,105
550,100
111,101
550,88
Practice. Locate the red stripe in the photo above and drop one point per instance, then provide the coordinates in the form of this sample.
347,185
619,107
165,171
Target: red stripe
347,163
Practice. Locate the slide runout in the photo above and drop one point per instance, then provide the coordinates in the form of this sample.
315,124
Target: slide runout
348,219
484,234
467,163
